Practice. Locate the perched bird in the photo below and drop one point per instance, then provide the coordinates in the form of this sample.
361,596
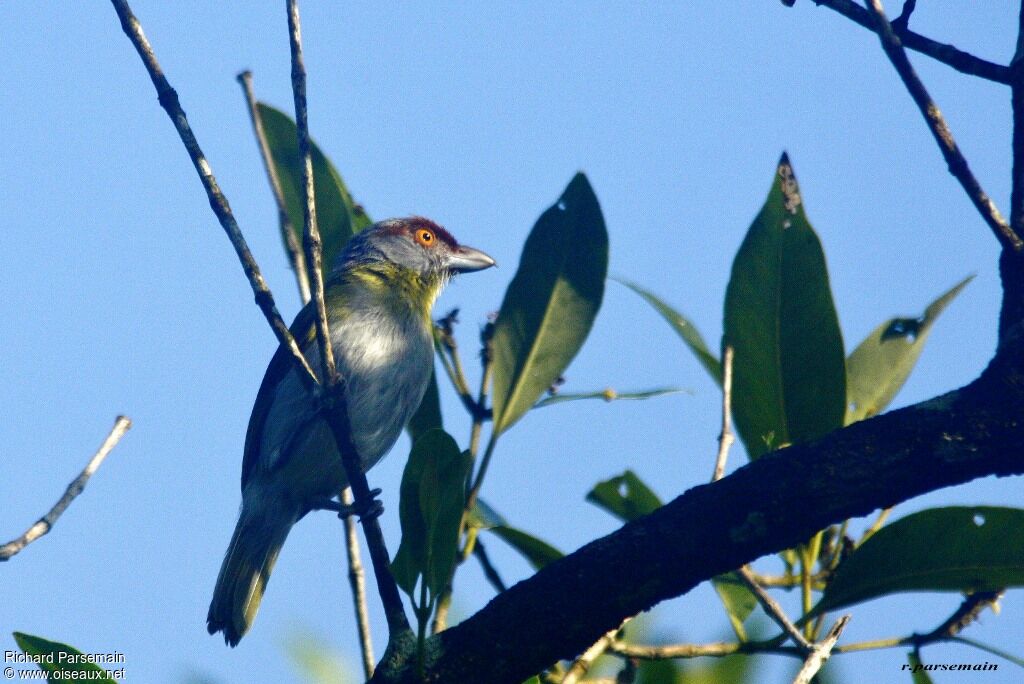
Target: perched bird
379,295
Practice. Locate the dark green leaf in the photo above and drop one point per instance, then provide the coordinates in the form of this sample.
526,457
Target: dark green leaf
1019,662
608,395
878,367
533,680
338,216
483,517
961,549
428,415
537,551
789,380
917,673
683,327
63,658
738,600
430,511
625,497
551,303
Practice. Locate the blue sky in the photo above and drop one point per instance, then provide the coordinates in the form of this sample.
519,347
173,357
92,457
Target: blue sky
120,293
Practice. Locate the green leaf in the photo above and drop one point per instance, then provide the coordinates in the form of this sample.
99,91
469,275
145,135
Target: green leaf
338,216
430,511
551,303
428,415
683,327
959,548
54,656
738,600
537,551
608,395
878,367
789,374
533,680
317,662
1019,662
625,497
917,673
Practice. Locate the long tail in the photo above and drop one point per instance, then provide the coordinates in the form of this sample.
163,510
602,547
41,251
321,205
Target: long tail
243,576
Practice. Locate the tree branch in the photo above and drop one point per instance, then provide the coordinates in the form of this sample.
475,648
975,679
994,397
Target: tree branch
969,433
963,62
291,245
821,652
332,401
168,99
46,523
940,131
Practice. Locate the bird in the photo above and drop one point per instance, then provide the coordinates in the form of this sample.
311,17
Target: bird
378,294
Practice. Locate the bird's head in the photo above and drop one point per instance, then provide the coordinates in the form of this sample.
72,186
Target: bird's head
416,244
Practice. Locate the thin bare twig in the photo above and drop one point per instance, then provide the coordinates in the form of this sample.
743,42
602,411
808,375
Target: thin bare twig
333,400
311,241
218,202
356,575
964,62
714,650
821,652
940,131
291,244
46,523
725,438
774,610
582,665
490,572
357,580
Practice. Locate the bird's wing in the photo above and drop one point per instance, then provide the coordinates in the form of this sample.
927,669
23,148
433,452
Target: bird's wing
304,331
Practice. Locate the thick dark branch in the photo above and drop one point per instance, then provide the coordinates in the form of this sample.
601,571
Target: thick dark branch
963,62
940,131
768,505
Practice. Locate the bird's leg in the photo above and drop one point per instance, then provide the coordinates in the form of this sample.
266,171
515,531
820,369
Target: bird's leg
372,511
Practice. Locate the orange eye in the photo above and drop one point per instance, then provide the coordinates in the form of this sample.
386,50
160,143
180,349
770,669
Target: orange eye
425,237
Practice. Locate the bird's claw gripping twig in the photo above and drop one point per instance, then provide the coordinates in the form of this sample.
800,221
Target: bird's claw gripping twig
371,511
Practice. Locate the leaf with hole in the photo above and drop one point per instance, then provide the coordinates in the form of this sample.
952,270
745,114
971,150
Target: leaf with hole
624,496
789,372
959,548
550,305
878,367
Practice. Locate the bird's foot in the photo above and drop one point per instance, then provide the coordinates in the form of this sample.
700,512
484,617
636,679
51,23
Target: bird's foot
373,510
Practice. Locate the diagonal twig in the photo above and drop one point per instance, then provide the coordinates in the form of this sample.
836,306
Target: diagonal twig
964,62
774,610
940,131
333,400
357,581
821,652
725,438
296,259
46,523
168,99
